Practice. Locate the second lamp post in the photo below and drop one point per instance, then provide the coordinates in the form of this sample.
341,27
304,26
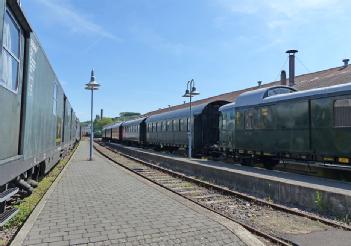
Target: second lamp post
92,86
190,92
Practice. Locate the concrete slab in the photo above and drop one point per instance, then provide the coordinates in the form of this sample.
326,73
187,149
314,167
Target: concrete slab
325,196
98,203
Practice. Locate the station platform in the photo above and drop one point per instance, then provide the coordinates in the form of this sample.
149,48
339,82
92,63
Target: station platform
99,203
324,196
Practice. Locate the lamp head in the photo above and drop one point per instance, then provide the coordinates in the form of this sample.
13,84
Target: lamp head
187,93
93,84
194,92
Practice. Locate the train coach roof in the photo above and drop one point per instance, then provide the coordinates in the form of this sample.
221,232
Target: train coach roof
256,97
133,122
336,89
227,106
114,125
180,113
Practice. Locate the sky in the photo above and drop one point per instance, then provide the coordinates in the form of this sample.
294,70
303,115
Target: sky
144,51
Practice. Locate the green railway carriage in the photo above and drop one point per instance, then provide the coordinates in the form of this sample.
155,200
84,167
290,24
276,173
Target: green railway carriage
170,129
133,131
227,127
276,123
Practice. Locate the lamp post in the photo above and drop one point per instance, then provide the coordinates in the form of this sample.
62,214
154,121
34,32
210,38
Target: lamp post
190,92
92,86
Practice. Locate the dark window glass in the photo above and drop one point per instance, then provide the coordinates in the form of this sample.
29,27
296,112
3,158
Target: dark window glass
249,119
342,113
169,126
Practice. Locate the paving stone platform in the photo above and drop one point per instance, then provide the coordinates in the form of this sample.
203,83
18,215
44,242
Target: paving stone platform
99,203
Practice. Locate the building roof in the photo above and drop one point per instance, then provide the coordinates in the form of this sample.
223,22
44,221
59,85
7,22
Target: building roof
324,78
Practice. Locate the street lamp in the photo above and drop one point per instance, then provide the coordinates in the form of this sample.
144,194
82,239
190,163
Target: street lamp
190,92
92,86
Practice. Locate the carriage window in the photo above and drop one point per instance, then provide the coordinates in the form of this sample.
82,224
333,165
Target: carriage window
342,113
182,125
10,53
169,126
249,119
224,120
176,125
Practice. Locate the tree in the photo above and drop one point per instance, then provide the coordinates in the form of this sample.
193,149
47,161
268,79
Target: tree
100,123
128,114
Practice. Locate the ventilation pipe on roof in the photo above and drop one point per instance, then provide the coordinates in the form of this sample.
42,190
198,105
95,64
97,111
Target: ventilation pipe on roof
259,83
291,66
283,77
346,62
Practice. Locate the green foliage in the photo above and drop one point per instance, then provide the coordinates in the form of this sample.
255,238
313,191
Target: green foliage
123,116
319,201
100,123
128,114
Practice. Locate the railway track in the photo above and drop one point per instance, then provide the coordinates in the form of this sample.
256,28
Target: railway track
271,222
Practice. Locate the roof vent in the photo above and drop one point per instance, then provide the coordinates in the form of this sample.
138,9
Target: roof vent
283,77
346,62
291,66
259,83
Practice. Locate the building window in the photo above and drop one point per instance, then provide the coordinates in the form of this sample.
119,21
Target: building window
342,113
10,61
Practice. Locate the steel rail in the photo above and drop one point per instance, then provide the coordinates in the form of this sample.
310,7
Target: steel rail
242,195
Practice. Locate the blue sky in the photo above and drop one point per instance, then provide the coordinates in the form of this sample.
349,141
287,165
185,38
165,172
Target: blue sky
144,51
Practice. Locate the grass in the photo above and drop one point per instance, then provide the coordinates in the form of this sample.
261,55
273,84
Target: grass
26,207
319,201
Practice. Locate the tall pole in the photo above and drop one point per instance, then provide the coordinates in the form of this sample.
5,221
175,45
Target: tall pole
190,92
190,129
91,126
92,85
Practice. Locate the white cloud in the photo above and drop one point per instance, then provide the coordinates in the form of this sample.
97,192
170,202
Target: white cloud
64,14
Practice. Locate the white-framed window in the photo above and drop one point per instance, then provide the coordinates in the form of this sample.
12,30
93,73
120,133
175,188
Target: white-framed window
11,52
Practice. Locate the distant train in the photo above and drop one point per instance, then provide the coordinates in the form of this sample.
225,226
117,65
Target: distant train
38,124
265,125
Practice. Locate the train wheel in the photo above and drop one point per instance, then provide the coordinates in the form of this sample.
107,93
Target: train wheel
269,163
246,161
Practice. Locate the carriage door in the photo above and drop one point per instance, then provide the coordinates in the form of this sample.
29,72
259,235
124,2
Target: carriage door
11,78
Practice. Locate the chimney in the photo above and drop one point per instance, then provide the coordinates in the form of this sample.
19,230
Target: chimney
101,113
291,66
346,62
259,83
283,77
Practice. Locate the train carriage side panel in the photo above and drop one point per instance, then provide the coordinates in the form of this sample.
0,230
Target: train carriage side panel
12,42
331,128
43,108
227,127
